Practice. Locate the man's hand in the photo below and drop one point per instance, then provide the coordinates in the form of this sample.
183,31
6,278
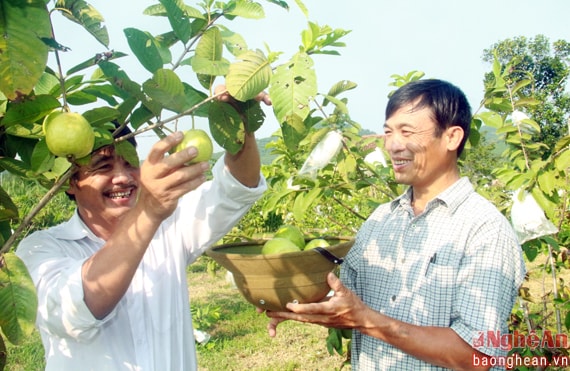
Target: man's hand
343,310
226,97
164,179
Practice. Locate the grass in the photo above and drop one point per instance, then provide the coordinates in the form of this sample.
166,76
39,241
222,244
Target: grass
239,339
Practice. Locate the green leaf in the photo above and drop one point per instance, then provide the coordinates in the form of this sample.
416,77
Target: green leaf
87,16
529,126
226,126
548,182
101,115
252,114
338,88
303,8
293,86
334,341
16,167
340,106
104,92
8,210
245,9
79,98
159,10
563,144
303,202
106,56
205,66
54,45
178,21
127,151
519,85
140,116
545,204
525,102
3,353
42,159
490,118
280,3
30,110
103,137
234,42
48,84
194,98
210,47
146,48
60,166
294,131
347,167
248,77
24,55
132,90
530,250
166,88
26,130
499,104
18,300
562,162
507,129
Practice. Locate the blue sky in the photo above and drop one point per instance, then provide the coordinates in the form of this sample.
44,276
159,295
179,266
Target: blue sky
443,38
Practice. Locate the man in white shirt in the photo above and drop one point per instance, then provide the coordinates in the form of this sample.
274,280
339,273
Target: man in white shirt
111,281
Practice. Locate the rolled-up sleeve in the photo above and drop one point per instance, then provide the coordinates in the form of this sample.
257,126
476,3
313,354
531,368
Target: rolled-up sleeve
61,308
208,213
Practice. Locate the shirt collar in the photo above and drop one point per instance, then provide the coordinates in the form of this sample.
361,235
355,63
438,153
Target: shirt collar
75,229
452,197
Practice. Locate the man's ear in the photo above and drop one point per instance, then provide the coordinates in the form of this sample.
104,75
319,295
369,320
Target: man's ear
72,184
454,136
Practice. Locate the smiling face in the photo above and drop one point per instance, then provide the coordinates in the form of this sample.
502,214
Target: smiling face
104,190
422,156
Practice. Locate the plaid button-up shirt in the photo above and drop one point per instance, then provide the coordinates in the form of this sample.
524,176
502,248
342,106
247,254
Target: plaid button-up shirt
458,264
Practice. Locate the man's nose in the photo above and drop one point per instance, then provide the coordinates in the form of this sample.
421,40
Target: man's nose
122,174
394,143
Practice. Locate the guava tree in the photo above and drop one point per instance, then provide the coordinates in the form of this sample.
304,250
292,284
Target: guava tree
547,66
537,169
199,42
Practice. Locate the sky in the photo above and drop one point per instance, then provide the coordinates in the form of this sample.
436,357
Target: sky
445,39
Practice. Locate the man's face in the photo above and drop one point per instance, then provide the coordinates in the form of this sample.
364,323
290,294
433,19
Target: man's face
419,157
106,188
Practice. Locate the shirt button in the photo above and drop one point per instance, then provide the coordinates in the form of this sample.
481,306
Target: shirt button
393,297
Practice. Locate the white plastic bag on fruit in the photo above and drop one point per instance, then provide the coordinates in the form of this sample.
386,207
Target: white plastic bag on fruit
376,157
528,218
201,336
322,154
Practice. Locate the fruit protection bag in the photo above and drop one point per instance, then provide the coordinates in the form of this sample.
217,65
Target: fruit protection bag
322,154
528,218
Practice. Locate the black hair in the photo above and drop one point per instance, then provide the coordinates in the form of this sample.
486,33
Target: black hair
125,130
447,102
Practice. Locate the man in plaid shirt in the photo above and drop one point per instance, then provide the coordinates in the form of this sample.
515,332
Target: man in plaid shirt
433,269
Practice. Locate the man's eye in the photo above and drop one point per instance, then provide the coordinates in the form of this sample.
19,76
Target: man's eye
104,167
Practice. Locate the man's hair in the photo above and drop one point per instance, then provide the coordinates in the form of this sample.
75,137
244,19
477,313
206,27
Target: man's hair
447,102
124,131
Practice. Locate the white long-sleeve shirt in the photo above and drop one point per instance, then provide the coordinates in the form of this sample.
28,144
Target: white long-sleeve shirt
151,327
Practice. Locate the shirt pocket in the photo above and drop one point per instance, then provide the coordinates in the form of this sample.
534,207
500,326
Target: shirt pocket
434,300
